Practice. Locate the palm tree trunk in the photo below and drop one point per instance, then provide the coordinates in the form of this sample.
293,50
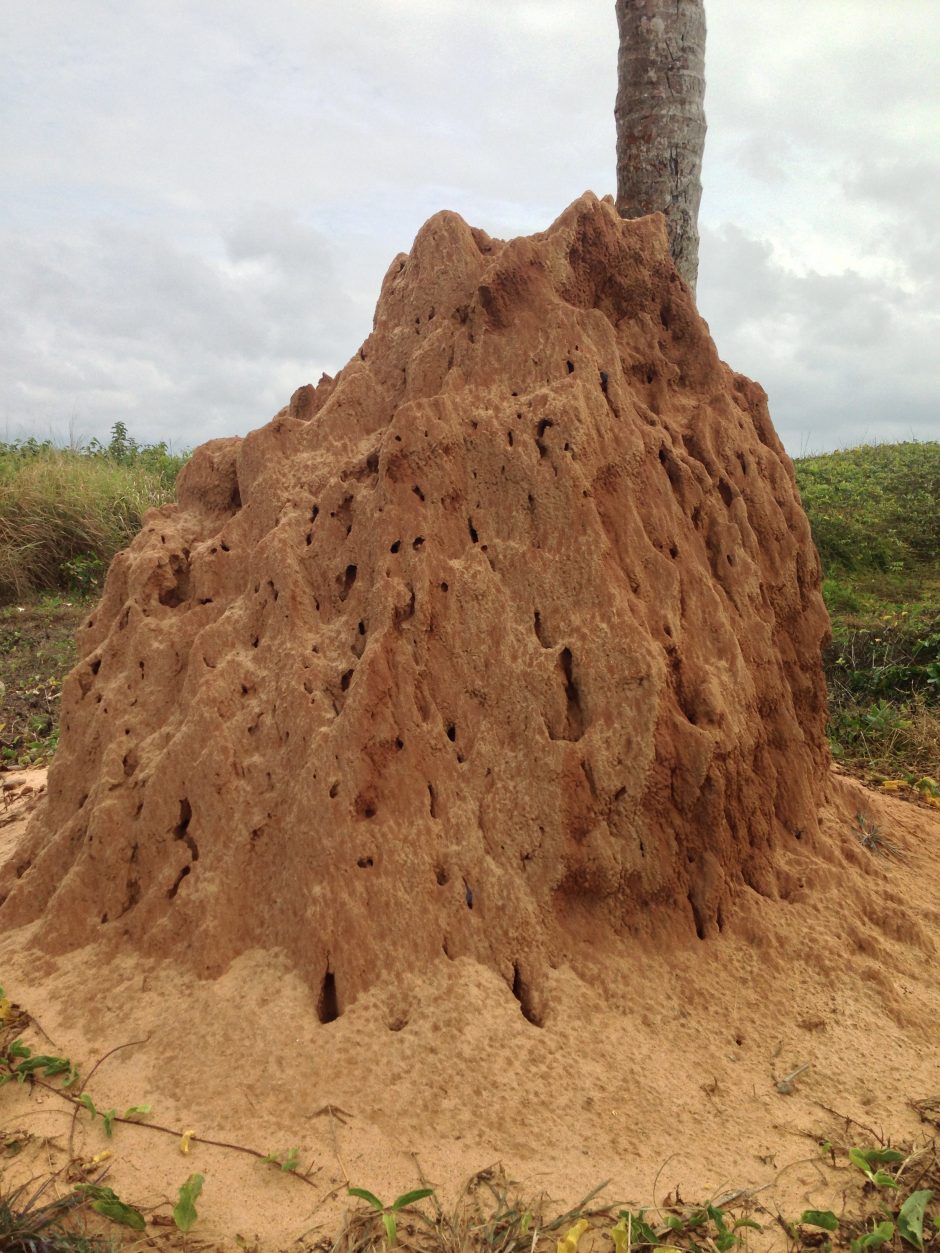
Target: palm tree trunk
661,118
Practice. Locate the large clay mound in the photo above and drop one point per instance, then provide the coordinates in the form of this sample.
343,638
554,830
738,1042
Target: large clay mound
502,643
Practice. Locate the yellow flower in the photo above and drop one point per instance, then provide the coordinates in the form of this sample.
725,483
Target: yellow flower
185,1139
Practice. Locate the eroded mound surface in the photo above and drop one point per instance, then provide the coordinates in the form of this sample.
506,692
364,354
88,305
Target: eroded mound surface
503,643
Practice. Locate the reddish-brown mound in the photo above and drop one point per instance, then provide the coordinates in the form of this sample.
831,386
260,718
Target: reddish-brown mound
504,641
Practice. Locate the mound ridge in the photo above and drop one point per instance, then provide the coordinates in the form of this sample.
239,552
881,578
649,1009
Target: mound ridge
504,643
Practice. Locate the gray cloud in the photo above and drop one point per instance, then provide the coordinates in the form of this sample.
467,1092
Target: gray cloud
198,203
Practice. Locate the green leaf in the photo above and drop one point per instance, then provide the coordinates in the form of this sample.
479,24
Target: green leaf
820,1218
89,1104
108,1117
137,1111
184,1211
106,1202
911,1217
747,1222
876,1157
19,1049
865,1159
409,1198
365,1195
391,1230
874,1239
286,1159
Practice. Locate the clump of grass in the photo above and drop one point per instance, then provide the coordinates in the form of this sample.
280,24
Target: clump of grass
31,1221
64,512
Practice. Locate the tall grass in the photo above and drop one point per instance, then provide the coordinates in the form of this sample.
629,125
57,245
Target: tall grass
64,512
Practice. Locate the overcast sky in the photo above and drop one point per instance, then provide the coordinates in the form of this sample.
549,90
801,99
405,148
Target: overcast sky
199,199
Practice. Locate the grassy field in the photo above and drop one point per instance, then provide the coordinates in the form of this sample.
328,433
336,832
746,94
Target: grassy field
875,513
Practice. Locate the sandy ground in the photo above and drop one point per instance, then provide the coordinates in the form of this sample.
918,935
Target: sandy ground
657,1068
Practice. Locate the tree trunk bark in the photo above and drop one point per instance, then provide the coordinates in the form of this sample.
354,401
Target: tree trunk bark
661,118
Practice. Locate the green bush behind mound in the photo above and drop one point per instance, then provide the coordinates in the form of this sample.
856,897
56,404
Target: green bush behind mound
65,512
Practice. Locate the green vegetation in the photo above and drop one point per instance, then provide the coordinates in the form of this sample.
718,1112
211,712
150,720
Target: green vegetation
875,515
65,512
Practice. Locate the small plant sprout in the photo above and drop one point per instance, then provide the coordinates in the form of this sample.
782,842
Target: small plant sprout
184,1211
388,1212
108,1204
286,1159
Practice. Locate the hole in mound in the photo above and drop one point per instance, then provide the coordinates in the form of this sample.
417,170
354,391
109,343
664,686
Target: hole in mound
344,681
540,633
395,547
327,1002
522,993
417,490
365,806
397,1024
574,718
570,365
444,587
698,917
95,666
432,801
365,863
451,732
399,744
181,830
418,542
473,531
540,432
334,791
442,877
345,581
727,495
179,879
509,438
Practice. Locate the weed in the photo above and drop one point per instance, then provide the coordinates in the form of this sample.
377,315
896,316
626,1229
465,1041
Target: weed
870,837
388,1213
30,1224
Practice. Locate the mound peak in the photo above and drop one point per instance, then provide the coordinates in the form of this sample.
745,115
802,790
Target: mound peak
504,643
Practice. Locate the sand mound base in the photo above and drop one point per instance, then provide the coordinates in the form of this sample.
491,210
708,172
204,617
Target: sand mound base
662,1055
